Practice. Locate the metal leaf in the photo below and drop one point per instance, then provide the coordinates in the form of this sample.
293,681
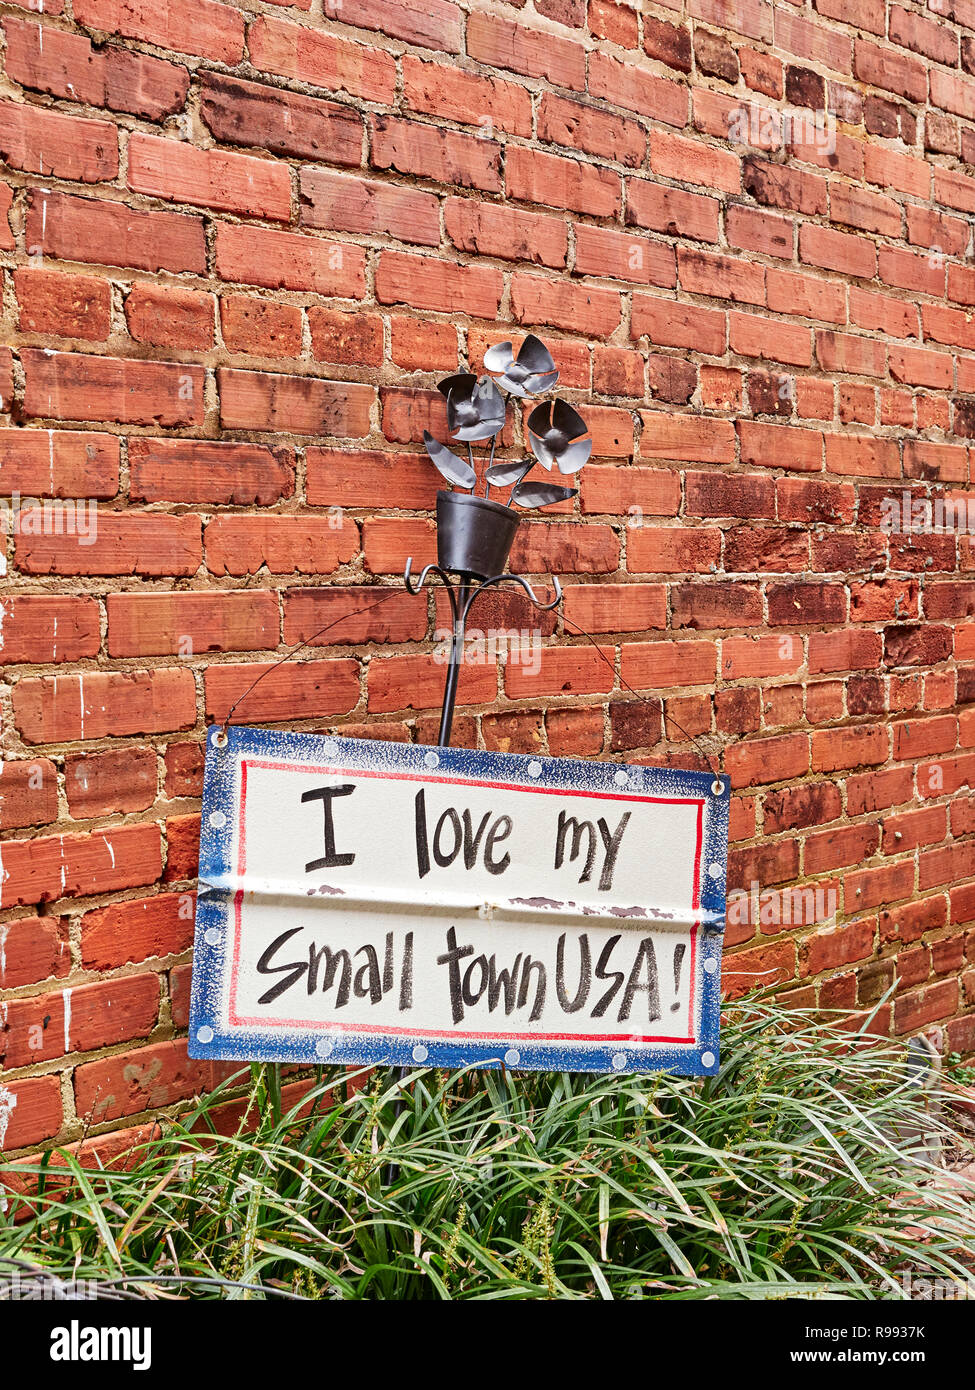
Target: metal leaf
503,474
541,494
454,469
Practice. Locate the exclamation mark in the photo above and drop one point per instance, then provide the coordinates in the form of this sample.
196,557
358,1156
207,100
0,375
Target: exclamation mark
679,952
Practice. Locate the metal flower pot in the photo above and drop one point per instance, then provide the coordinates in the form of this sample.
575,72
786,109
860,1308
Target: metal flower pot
474,535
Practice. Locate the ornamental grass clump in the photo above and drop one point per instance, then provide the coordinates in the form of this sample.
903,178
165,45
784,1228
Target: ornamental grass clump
803,1168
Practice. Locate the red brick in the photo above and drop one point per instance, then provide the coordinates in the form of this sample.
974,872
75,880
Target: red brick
107,233
763,232
442,286
841,251
432,152
686,160
673,551
42,141
574,308
298,404
167,316
73,386
137,930
64,306
633,87
188,624
534,176
615,607
623,256
451,94
581,127
184,770
672,324
251,114
122,543
199,470
178,172
191,26
130,1082
502,44
573,670
647,665
32,1111
343,203
283,260
343,335
671,210
50,867
28,793
260,327
321,59
388,616
763,967
81,1019
66,65
62,463
240,545
34,949
636,491
488,229
107,783
302,690
416,682
103,704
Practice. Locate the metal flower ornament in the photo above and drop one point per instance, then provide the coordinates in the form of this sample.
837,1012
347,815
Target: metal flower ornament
477,412
475,532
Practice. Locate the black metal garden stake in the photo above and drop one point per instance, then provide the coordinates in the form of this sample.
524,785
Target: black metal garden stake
475,534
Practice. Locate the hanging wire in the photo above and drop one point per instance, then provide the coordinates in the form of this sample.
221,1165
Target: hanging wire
392,593
300,646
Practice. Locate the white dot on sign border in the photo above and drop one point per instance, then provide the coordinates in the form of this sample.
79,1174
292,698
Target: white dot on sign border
621,778
714,870
534,769
707,1059
217,819
431,759
212,936
619,1061
710,965
324,1046
420,1053
204,1034
512,1056
330,747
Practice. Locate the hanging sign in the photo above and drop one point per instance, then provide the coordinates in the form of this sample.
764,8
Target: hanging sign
366,902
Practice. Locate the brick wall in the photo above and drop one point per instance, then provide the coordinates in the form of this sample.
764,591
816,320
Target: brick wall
240,244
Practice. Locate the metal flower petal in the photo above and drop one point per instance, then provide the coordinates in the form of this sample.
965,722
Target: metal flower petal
533,370
475,406
454,469
558,435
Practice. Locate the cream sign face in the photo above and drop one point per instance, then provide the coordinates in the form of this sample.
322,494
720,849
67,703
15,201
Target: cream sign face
378,902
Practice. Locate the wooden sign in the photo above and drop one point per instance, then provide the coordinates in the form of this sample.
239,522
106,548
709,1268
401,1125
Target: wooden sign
367,902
